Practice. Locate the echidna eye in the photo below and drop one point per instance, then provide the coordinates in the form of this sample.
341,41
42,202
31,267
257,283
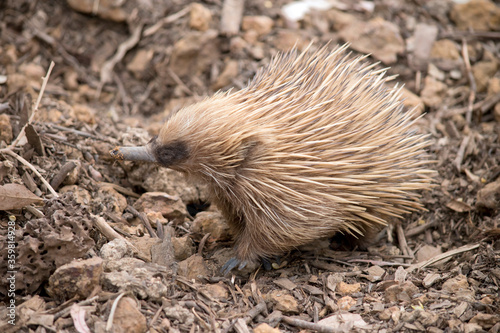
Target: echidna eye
171,153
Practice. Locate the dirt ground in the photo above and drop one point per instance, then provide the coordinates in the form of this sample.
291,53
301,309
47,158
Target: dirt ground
90,244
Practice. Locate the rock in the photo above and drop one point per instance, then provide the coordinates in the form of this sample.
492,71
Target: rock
496,112
459,310
128,317
333,280
183,247
257,51
378,307
339,19
262,25
427,252
472,328
192,268
194,53
285,283
116,249
140,62
391,313
265,328
228,74
171,207
32,71
213,223
423,40
345,303
84,114
374,273
81,195
483,71
108,199
430,279
379,37
455,284
485,320
5,129
106,9
411,100
287,39
120,11
480,15
434,330
216,291
401,292
445,49
174,183
17,81
71,80
345,288
489,196
200,17
283,302
76,279
344,322
435,72
434,92
144,280
144,244
179,314
427,318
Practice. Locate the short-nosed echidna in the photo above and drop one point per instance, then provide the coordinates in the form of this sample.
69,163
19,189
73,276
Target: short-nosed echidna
315,144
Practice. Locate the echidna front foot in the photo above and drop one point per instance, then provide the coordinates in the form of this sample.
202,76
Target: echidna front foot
232,263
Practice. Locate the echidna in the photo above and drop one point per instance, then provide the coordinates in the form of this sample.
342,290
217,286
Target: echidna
315,144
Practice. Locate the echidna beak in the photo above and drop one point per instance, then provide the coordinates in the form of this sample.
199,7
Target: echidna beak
142,153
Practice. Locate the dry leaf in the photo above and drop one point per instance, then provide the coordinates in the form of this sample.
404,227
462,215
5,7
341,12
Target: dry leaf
458,206
15,196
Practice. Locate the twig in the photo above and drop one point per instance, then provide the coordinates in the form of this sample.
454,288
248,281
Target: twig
472,82
310,326
461,152
58,179
78,132
380,262
442,256
107,68
109,323
29,165
470,34
403,245
22,133
202,244
232,12
169,19
179,81
418,230
483,105
144,219
111,234
66,310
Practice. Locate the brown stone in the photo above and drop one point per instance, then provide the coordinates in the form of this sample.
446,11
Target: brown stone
78,278
480,15
200,17
128,317
192,268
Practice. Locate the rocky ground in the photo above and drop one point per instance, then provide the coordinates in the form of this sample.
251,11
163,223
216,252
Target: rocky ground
89,244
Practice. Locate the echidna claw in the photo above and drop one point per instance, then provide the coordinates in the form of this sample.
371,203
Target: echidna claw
268,264
232,263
